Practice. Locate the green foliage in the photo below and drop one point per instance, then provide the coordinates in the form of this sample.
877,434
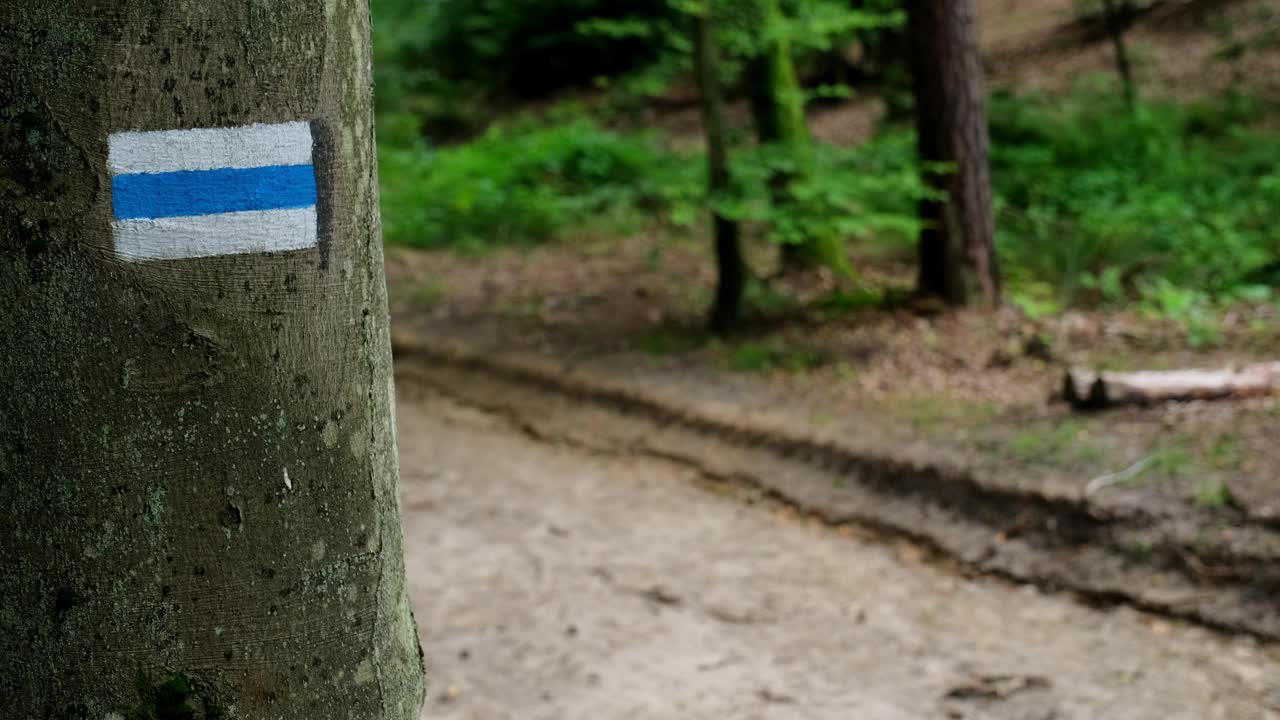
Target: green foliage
1172,460
1225,452
772,354
863,192
1064,442
1170,204
931,412
842,302
448,61
1214,494
808,26
666,341
527,182
517,184
1190,307
515,47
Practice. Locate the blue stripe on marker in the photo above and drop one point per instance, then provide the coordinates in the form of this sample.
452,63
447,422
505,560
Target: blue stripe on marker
208,192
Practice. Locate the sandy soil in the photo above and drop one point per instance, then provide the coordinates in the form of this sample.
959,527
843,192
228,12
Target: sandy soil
553,583
972,384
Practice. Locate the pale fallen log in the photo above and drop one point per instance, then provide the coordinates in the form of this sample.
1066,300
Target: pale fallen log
1090,389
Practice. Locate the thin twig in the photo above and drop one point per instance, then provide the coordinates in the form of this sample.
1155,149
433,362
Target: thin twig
1101,483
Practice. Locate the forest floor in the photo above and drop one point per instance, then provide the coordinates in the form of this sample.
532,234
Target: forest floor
554,581
940,427
565,416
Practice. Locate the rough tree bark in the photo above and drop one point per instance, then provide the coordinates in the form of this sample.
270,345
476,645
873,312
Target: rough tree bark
726,310
957,245
197,455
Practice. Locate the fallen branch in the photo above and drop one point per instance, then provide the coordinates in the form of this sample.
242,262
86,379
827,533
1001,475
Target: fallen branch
1093,390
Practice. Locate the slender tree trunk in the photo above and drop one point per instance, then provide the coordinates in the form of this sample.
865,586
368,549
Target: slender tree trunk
197,455
957,246
777,103
731,268
727,308
1118,16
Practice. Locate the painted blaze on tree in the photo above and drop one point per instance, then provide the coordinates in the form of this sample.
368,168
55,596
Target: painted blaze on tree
196,445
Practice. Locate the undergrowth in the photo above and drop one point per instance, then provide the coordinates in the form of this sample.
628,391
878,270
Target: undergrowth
1169,206
517,184
530,181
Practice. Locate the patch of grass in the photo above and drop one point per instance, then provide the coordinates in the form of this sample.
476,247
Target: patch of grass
1036,298
926,412
845,371
769,355
1066,442
923,411
1189,307
1181,457
668,342
844,302
1173,460
1214,494
767,300
1225,453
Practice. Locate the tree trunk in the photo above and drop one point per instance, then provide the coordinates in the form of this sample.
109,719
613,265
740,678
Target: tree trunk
727,309
1118,15
777,107
957,246
197,453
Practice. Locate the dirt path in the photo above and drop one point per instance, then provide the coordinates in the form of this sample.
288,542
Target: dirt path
551,583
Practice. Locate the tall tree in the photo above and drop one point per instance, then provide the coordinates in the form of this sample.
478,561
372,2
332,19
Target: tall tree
196,437
777,105
957,245
731,267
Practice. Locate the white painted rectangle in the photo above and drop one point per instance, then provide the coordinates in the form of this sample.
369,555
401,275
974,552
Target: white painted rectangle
209,235
249,146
